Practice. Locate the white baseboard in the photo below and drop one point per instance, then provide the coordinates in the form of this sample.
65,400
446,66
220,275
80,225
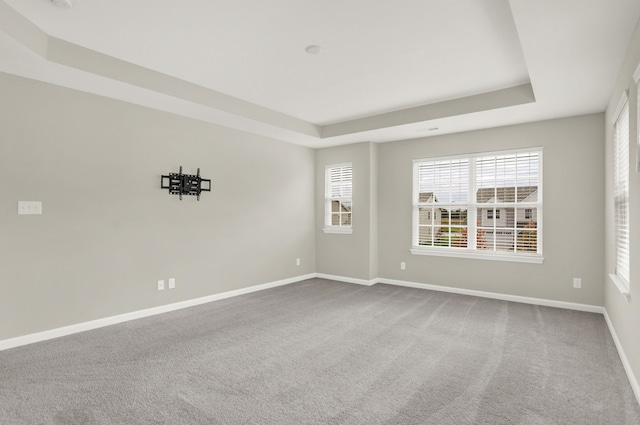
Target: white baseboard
106,321
494,295
515,298
498,296
99,323
623,357
347,279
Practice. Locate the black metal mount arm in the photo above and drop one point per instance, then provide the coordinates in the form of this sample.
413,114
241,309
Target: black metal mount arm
185,184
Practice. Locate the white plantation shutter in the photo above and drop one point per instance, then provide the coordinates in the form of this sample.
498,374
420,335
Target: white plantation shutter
516,171
621,192
338,196
479,205
507,197
340,181
447,180
440,204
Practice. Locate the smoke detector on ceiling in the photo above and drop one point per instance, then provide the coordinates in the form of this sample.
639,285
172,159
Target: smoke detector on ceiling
66,4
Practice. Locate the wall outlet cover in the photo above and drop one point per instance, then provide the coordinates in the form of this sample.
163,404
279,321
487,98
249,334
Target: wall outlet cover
29,207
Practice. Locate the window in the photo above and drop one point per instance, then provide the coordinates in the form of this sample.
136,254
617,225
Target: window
338,202
621,193
480,206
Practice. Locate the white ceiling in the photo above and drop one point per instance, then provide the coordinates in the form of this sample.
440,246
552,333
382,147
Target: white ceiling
387,70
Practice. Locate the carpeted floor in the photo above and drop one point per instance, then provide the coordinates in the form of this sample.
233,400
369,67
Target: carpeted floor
323,352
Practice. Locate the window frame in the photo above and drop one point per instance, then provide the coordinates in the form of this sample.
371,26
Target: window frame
472,206
621,281
328,199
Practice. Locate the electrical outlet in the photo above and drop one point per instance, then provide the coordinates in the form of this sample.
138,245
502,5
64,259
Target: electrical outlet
577,282
161,285
403,265
172,283
297,261
29,207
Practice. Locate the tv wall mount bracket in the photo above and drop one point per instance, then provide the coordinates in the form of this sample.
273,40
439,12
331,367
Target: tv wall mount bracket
185,184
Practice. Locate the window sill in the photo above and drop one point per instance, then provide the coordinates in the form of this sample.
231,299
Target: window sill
621,285
338,230
479,255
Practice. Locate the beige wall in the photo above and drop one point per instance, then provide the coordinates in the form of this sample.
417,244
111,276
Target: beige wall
573,177
349,255
108,231
625,315
573,202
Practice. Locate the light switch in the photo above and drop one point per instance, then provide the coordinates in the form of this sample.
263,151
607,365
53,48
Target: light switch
29,207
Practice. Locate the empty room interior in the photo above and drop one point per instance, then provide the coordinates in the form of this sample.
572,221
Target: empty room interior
312,212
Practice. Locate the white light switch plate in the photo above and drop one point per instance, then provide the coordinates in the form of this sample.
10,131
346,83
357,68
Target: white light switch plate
29,207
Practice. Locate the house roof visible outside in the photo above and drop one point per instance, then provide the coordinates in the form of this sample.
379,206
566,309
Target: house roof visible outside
507,194
426,197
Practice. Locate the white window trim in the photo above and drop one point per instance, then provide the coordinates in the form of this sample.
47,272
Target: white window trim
474,253
477,254
338,230
620,282
624,98
621,285
328,228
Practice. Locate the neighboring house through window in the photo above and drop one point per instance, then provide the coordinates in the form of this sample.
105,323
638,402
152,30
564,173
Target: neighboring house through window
490,213
338,198
482,206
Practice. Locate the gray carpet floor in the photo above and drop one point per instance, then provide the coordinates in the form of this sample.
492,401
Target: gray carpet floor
323,352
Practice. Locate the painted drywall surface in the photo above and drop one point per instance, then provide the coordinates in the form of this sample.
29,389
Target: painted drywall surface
624,315
573,174
456,107
108,232
347,255
373,211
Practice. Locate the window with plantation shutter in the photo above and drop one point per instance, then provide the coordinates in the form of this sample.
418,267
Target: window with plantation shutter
621,194
479,206
338,198
442,203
